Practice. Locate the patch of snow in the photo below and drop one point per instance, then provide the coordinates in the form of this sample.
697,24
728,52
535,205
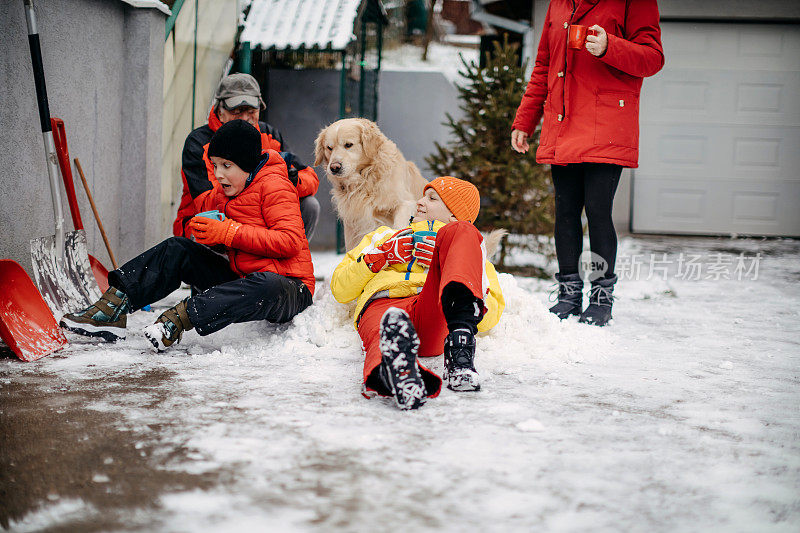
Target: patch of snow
441,58
530,425
640,426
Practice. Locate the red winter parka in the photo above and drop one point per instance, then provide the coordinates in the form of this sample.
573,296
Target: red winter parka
591,104
272,237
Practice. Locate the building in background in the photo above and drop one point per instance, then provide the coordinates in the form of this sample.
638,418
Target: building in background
316,63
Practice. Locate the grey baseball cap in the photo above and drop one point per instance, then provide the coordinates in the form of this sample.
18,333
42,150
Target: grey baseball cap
238,90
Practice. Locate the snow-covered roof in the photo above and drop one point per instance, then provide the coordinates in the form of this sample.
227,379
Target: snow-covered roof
154,4
295,24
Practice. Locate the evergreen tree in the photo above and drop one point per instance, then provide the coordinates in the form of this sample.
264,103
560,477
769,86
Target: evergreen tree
516,192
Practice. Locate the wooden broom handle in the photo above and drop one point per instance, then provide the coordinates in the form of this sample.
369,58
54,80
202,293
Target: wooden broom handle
96,214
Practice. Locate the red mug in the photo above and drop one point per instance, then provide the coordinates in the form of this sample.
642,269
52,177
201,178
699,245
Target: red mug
576,36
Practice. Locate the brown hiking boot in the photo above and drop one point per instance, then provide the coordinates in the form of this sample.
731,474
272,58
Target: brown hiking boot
169,327
107,318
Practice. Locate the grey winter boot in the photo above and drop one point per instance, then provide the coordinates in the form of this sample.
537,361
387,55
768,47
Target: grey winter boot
601,298
570,296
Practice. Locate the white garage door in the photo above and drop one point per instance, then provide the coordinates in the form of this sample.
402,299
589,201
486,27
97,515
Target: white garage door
720,133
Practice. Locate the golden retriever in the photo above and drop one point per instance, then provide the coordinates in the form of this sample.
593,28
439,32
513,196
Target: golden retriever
373,184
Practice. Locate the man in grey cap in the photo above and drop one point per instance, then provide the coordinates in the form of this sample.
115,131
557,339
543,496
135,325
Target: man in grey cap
238,96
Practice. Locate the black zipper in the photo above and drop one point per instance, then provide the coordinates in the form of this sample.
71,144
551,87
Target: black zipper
225,209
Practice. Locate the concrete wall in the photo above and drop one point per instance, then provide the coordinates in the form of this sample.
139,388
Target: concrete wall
103,67
411,110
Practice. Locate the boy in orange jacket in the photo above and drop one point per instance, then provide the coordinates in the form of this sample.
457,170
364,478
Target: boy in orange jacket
421,291
267,275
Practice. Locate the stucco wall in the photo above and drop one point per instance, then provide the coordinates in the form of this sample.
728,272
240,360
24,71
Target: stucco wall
103,67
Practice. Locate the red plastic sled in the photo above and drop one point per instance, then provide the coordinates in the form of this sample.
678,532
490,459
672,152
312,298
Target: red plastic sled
27,325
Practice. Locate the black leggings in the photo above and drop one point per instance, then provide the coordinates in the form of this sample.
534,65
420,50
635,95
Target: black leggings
589,185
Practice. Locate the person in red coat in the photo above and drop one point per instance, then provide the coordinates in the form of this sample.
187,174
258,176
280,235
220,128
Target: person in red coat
588,101
264,270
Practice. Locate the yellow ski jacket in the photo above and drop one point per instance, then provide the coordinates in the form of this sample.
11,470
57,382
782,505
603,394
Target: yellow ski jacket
353,279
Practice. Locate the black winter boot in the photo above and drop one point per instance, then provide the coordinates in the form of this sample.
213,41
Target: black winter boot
399,346
459,361
570,296
601,298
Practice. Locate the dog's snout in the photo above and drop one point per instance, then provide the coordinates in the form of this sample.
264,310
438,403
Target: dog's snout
335,167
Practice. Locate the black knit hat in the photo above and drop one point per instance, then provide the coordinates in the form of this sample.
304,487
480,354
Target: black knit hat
237,141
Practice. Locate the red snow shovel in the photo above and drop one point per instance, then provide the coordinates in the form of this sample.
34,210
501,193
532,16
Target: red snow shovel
27,325
60,137
60,261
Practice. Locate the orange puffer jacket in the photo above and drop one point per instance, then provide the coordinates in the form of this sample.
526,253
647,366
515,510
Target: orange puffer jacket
272,237
197,171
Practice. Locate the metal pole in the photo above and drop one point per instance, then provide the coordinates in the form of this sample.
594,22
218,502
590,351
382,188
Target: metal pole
47,130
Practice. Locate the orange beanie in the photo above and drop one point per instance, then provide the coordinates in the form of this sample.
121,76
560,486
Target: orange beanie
461,197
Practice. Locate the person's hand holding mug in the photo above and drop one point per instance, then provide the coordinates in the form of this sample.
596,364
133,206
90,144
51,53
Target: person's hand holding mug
597,43
519,141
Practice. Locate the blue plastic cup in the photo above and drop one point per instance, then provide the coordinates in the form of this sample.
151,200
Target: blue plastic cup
213,214
419,236
216,215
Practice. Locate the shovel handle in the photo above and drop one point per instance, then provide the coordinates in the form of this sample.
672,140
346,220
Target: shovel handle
96,214
44,119
60,138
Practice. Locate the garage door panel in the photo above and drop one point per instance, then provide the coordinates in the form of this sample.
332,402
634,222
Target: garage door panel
720,151
720,133
722,207
752,47
685,95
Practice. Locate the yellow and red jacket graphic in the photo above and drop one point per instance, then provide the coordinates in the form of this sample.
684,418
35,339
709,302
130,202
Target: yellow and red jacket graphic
353,280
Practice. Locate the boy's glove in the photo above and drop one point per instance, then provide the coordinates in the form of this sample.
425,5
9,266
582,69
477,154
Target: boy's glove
423,250
210,232
396,250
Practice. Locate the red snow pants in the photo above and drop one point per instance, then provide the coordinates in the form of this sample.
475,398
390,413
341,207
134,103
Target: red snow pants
457,257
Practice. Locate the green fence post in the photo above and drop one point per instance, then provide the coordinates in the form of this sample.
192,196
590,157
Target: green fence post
342,111
245,58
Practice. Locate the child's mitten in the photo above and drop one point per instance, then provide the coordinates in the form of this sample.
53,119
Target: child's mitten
210,232
423,250
396,250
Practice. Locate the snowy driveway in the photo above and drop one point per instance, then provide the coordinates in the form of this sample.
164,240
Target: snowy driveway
684,415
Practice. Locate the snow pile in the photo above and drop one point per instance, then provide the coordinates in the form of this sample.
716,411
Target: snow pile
441,58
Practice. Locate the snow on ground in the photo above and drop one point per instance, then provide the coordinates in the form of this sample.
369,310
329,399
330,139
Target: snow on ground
442,58
681,416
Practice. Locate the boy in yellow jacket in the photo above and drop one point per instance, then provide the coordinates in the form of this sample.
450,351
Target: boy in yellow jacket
421,291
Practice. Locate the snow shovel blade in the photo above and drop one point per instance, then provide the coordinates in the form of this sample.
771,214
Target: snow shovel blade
26,324
67,283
